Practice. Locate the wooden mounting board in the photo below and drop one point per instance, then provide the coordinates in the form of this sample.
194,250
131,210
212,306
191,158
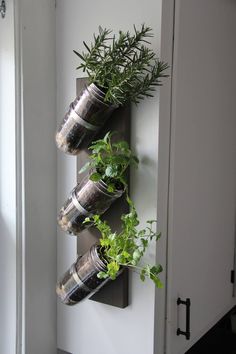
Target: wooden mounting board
114,293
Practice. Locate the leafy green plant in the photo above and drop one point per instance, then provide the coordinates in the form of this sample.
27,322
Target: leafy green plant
126,248
124,67
109,162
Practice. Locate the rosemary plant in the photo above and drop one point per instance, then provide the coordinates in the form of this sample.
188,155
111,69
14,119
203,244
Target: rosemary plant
124,67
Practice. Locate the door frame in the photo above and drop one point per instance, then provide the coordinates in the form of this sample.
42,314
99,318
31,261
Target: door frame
35,208
164,150
20,201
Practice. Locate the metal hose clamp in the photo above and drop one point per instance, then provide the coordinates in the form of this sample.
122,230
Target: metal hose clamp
78,205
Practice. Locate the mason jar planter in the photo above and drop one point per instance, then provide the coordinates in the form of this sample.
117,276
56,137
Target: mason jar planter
85,117
81,280
86,199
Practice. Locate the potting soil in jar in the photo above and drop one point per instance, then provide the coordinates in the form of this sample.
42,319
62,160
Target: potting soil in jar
87,198
86,115
81,280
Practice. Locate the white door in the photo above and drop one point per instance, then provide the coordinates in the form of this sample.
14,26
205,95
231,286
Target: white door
202,195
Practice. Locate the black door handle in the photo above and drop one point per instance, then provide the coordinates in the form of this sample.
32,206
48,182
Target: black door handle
187,303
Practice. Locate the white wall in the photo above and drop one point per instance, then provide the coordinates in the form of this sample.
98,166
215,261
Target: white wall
91,327
7,184
37,34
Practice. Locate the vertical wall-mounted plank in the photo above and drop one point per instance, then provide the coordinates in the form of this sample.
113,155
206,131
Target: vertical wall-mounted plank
114,293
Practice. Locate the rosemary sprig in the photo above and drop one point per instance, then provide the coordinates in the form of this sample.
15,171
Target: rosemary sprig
124,67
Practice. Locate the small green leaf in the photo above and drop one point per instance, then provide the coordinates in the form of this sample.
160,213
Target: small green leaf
136,255
133,262
156,269
119,258
112,236
142,276
102,275
79,55
151,221
111,171
95,177
112,269
87,220
107,137
144,242
104,242
111,188
158,236
136,160
96,218
157,282
122,145
126,255
87,47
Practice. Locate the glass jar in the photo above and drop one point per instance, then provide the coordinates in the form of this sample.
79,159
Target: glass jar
81,280
86,199
85,117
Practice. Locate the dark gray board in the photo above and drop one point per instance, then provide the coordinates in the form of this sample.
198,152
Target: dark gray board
114,293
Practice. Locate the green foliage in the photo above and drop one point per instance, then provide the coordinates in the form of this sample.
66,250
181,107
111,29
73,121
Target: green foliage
125,68
126,249
109,162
